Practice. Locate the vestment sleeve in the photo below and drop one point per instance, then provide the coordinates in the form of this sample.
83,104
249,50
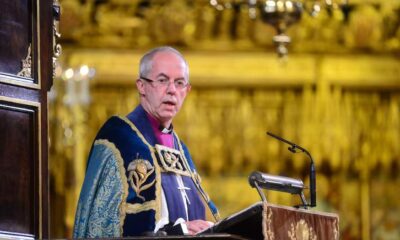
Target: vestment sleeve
100,211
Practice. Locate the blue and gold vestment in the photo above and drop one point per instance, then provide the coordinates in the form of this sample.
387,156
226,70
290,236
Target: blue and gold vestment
121,193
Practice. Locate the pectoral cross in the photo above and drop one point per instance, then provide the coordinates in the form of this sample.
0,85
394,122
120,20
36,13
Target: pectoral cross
183,191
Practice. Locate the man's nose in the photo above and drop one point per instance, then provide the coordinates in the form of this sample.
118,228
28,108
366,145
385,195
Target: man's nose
171,87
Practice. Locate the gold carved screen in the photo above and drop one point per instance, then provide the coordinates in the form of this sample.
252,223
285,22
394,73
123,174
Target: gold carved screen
337,95
350,122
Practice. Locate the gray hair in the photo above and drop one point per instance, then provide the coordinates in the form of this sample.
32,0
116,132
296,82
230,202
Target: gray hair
146,62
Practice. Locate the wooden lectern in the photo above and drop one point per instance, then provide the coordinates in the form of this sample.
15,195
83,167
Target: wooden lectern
267,221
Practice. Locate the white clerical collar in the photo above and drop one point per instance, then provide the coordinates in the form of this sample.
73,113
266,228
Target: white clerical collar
166,130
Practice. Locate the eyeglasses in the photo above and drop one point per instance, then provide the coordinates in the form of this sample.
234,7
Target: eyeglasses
164,82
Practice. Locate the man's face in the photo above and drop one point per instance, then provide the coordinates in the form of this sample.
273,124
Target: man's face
164,101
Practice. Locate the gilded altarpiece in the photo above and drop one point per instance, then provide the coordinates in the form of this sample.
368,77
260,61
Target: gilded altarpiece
351,129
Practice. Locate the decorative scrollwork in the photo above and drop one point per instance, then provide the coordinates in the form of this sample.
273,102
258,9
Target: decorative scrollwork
171,160
26,65
139,171
302,231
57,49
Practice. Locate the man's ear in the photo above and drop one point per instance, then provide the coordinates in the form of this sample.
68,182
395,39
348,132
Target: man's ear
140,87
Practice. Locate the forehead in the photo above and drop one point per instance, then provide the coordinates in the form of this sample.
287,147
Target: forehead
169,64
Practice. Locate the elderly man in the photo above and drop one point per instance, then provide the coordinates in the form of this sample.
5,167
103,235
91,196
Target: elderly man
140,178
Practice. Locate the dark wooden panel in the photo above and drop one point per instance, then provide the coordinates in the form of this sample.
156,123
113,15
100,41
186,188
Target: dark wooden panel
15,34
18,149
24,199
19,92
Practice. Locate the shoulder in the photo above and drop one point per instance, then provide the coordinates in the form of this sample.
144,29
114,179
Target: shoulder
114,125
121,131
119,136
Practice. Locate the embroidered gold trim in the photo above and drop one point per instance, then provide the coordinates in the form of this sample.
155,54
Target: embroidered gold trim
171,160
137,207
157,206
301,231
267,221
139,171
120,162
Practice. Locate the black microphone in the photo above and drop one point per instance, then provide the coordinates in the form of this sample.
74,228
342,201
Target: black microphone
292,148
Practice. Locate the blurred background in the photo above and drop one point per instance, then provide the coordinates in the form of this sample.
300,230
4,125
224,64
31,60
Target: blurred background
336,93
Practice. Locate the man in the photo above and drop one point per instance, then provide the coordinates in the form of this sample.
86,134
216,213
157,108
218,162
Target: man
140,177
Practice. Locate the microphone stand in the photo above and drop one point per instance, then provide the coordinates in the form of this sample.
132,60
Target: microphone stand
292,148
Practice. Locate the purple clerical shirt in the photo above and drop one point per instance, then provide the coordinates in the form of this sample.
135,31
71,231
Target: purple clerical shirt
165,139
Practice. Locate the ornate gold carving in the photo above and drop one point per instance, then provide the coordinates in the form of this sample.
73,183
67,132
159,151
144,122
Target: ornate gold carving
301,70
171,160
313,93
301,231
139,171
26,65
302,113
365,28
56,34
198,25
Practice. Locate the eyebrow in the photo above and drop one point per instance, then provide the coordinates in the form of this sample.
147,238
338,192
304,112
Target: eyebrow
166,76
